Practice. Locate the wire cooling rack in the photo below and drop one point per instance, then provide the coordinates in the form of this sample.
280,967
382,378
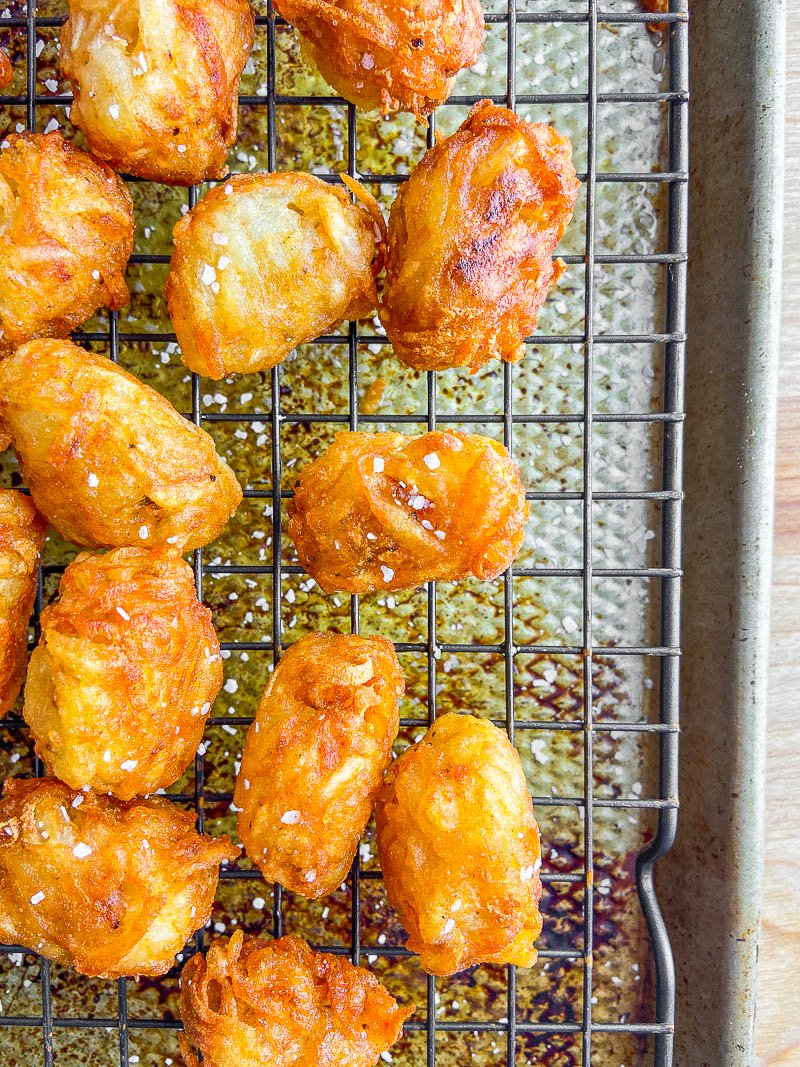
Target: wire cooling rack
524,1025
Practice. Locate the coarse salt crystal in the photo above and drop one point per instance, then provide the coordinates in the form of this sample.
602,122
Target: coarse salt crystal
448,926
76,803
209,274
455,906
181,148
367,61
144,533
310,876
431,461
123,613
129,765
258,903
387,573
172,540
37,898
527,873
223,262
81,851
114,111
372,537
231,685
219,239
96,275
92,480
377,465
107,756
291,818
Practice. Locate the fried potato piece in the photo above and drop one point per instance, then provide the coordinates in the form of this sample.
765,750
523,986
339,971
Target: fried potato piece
388,511
471,237
107,459
390,55
156,82
266,262
252,1002
22,532
126,670
459,847
108,887
315,756
66,233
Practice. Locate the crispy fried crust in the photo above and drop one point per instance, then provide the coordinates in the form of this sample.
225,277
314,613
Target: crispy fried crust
6,70
471,238
108,460
387,511
109,888
156,82
66,232
22,532
252,1002
459,847
267,262
656,7
125,673
315,756
392,55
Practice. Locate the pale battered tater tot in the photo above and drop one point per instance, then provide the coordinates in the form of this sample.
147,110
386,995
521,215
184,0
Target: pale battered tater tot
315,756
108,460
252,1002
126,670
107,887
390,56
267,262
156,82
471,238
387,511
22,532
459,847
66,233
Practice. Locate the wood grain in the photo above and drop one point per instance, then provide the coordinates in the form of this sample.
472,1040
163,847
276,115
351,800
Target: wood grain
778,1013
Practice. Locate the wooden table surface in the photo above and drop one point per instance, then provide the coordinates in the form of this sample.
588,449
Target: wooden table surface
778,1015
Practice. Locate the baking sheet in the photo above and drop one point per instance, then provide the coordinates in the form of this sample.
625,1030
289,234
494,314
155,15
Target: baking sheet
548,390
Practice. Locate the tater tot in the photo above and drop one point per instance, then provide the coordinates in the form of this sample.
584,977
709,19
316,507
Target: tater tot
156,82
459,847
22,532
314,758
388,511
252,1002
126,670
389,55
267,262
108,887
107,459
471,237
66,233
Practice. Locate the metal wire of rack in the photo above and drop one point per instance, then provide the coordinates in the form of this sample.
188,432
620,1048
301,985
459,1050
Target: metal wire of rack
660,1028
